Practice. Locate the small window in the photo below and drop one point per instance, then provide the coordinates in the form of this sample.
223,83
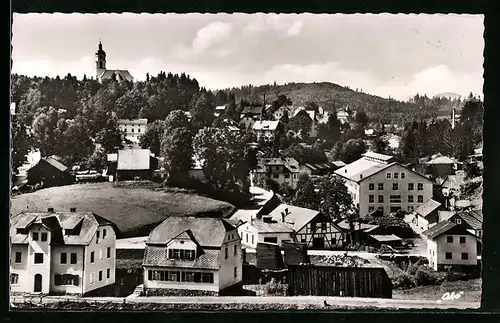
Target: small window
410,208
132,129
108,273
92,257
226,253
108,251
449,239
14,278
462,239
235,274
411,186
247,237
100,254
18,259
380,186
34,236
38,258
303,240
313,226
252,239
73,259
104,233
388,175
139,130
395,186
458,221
371,186
371,209
371,199
235,250
44,236
420,199
97,236
276,175
410,199
64,257
323,226
448,255
465,256
100,275
420,186
381,199
396,175
403,175
91,278
271,239
287,175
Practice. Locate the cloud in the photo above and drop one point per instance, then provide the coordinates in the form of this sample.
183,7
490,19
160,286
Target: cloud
295,28
214,33
282,23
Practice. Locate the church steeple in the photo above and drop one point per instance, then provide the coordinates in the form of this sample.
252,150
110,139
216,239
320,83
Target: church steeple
100,62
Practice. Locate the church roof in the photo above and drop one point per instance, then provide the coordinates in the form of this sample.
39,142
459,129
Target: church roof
120,74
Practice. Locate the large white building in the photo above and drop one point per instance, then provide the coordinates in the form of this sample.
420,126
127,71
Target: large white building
61,252
194,254
378,182
133,129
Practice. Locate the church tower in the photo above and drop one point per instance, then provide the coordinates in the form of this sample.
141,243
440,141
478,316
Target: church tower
100,61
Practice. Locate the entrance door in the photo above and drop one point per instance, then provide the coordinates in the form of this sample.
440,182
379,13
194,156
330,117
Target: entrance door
38,283
319,243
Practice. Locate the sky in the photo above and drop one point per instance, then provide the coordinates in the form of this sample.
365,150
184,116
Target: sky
381,54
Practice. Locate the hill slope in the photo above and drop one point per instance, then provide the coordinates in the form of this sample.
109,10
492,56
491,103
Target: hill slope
134,210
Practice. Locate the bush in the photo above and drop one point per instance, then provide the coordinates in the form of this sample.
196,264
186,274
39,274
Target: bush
275,288
425,276
405,281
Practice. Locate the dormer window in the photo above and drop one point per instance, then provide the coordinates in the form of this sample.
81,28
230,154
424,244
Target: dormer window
34,236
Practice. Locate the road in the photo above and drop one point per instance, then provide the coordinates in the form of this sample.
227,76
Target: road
298,300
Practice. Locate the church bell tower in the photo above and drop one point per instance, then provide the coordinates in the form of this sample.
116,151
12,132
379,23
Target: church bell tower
100,61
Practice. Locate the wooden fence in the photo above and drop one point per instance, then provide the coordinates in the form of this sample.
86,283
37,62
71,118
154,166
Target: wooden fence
339,281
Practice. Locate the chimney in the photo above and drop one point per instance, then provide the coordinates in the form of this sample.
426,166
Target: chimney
73,209
50,210
283,215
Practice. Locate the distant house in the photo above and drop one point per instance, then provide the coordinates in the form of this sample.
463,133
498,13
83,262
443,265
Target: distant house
427,214
265,129
61,252
451,185
197,170
321,169
450,246
343,116
280,112
135,163
249,115
472,220
231,125
264,229
196,254
312,115
438,166
281,170
477,155
49,172
133,129
219,110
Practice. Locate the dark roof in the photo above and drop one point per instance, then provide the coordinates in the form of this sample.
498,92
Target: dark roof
208,231
253,110
439,229
270,205
473,218
83,224
428,207
158,257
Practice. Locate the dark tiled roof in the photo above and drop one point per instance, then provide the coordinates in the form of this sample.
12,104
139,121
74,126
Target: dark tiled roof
439,229
428,207
207,231
253,110
474,219
158,257
270,205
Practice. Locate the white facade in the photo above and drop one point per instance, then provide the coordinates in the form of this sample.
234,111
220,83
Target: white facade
250,235
133,129
452,250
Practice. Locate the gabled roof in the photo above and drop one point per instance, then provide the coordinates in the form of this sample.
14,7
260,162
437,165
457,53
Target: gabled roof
134,159
156,256
273,227
133,121
270,205
473,218
121,74
252,110
290,164
385,237
55,163
440,159
377,156
208,231
322,166
427,208
265,125
85,224
297,217
439,229
454,181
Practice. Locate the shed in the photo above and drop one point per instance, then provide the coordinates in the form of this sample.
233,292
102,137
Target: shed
133,163
377,240
50,172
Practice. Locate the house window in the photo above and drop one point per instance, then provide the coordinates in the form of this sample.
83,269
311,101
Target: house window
14,278
252,239
396,175
371,186
100,275
64,257
458,221
410,199
34,236
271,239
173,276
420,186
73,258
18,258
139,130
92,257
388,175
465,256
380,186
287,175
97,236
108,251
226,253
187,277
235,250
448,255
420,199
132,129
381,199
403,175
313,226
276,175
410,208
334,242
104,233
449,239
303,240
44,236
108,273
207,278
462,239
395,186
38,258
411,186
235,272
91,278
371,199
371,209
395,199
323,226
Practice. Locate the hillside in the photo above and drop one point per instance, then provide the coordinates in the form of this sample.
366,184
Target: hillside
330,95
134,210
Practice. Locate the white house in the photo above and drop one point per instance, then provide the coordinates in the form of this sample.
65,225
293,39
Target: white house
265,129
281,170
450,245
61,252
378,182
196,254
264,229
133,129
343,116
249,115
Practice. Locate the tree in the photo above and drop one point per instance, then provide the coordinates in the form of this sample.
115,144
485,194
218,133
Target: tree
306,196
76,146
176,119
45,133
472,170
361,118
331,130
302,180
152,137
202,111
379,145
21,143
301,123
177,149
110,137
231,111
349,151
305,154
97,160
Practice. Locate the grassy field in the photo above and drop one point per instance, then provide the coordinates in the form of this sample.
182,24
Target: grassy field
471,291
134,210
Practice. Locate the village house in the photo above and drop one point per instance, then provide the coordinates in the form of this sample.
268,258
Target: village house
280,112
103,74
133,129
62,252
379,182
49,171
281,170
451,246
135,163
437,166
311,114
264,229
427,214
265,129
219,110
249,115
343,116
321,169
196,254
451,187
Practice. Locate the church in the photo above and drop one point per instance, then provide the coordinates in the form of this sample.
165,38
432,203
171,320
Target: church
103,74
